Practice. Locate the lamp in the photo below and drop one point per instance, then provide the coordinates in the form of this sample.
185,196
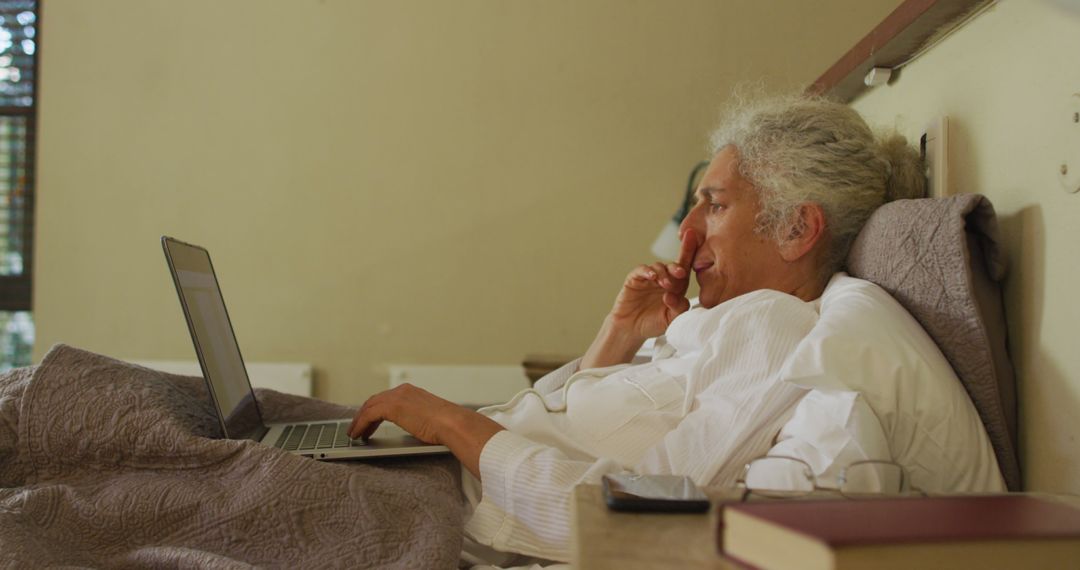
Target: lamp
667,243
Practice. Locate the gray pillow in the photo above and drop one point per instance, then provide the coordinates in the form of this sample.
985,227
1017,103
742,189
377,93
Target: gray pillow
940,258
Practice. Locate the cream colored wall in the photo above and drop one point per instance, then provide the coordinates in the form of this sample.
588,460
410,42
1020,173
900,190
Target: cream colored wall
379,182
1005,81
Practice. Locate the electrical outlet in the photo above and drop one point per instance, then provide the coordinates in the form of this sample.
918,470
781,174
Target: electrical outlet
934,146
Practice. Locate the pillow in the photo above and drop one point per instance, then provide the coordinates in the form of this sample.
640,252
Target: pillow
941,260
865,342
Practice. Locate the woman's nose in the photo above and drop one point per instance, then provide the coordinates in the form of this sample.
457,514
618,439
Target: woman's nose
691,221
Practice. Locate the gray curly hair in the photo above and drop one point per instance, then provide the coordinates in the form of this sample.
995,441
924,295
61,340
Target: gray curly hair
796,149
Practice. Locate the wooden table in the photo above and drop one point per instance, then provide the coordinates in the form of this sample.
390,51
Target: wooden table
606,539
628,541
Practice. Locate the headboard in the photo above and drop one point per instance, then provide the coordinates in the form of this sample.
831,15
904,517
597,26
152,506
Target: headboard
940,258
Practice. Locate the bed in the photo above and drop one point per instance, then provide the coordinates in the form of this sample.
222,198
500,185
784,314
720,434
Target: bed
107,464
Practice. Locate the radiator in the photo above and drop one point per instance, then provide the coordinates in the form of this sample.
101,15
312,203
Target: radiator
287,377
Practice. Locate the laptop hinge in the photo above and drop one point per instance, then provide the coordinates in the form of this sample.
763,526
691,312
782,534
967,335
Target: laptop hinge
259,433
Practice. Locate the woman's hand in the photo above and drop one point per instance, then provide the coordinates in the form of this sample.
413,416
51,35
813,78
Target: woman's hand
651,297
415,410
430,419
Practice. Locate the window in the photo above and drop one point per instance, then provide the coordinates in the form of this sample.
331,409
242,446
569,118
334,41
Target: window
18,126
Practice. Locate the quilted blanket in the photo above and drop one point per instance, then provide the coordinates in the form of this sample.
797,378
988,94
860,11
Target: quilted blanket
107,464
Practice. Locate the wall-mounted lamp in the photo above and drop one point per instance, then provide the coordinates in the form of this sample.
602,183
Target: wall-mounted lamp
877,76
667,243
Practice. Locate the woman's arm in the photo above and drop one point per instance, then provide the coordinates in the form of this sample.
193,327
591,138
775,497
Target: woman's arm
528,486
651,297
430,419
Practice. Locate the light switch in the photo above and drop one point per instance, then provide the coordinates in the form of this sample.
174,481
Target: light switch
934,145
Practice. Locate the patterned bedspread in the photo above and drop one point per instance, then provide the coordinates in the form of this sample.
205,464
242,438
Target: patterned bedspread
107,464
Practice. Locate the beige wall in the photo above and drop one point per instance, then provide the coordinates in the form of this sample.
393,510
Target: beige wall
411,181
1005,81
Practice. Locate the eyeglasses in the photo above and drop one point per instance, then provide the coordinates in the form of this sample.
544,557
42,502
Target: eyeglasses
779,476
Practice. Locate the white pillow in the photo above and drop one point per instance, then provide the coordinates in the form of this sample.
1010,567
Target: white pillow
866,342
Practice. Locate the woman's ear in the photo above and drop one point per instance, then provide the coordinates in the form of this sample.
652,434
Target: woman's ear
807,229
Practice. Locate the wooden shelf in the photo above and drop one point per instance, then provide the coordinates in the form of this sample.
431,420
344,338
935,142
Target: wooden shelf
914,25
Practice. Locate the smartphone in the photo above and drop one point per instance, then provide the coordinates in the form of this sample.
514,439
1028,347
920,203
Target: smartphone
653,493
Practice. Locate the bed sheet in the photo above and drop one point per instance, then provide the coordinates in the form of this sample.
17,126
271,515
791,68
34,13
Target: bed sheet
108,464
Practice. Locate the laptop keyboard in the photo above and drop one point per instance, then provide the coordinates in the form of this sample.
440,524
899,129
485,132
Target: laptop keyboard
303,437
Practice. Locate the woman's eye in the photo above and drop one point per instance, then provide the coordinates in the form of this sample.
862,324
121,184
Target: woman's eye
714,207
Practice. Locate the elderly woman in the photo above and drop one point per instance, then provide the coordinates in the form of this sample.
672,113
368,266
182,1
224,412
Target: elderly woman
791,182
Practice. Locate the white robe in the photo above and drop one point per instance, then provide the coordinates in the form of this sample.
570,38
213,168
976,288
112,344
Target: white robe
717,394
703,409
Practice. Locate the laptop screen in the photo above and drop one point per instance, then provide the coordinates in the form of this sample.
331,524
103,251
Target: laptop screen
212,334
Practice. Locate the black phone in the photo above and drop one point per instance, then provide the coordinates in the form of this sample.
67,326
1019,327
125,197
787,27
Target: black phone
653,493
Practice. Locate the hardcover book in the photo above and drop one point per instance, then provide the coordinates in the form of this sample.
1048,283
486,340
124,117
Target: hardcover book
986,532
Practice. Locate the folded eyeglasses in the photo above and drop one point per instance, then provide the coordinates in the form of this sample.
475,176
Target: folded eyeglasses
782,477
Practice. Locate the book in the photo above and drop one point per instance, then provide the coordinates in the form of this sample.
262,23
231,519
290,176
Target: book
977,531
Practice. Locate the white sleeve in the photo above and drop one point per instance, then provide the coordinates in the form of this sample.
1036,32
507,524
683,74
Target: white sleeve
527,486
830,430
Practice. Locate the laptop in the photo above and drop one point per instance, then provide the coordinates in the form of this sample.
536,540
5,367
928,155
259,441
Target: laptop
230,389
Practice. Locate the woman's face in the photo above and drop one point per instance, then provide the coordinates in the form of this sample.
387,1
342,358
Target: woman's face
731,258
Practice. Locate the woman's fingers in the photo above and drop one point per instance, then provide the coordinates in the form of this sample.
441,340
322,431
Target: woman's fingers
368,418
655,273
664,277
677,270
369,430
678,303
642,273
670,277
413,409
359,423
688,249
681,268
